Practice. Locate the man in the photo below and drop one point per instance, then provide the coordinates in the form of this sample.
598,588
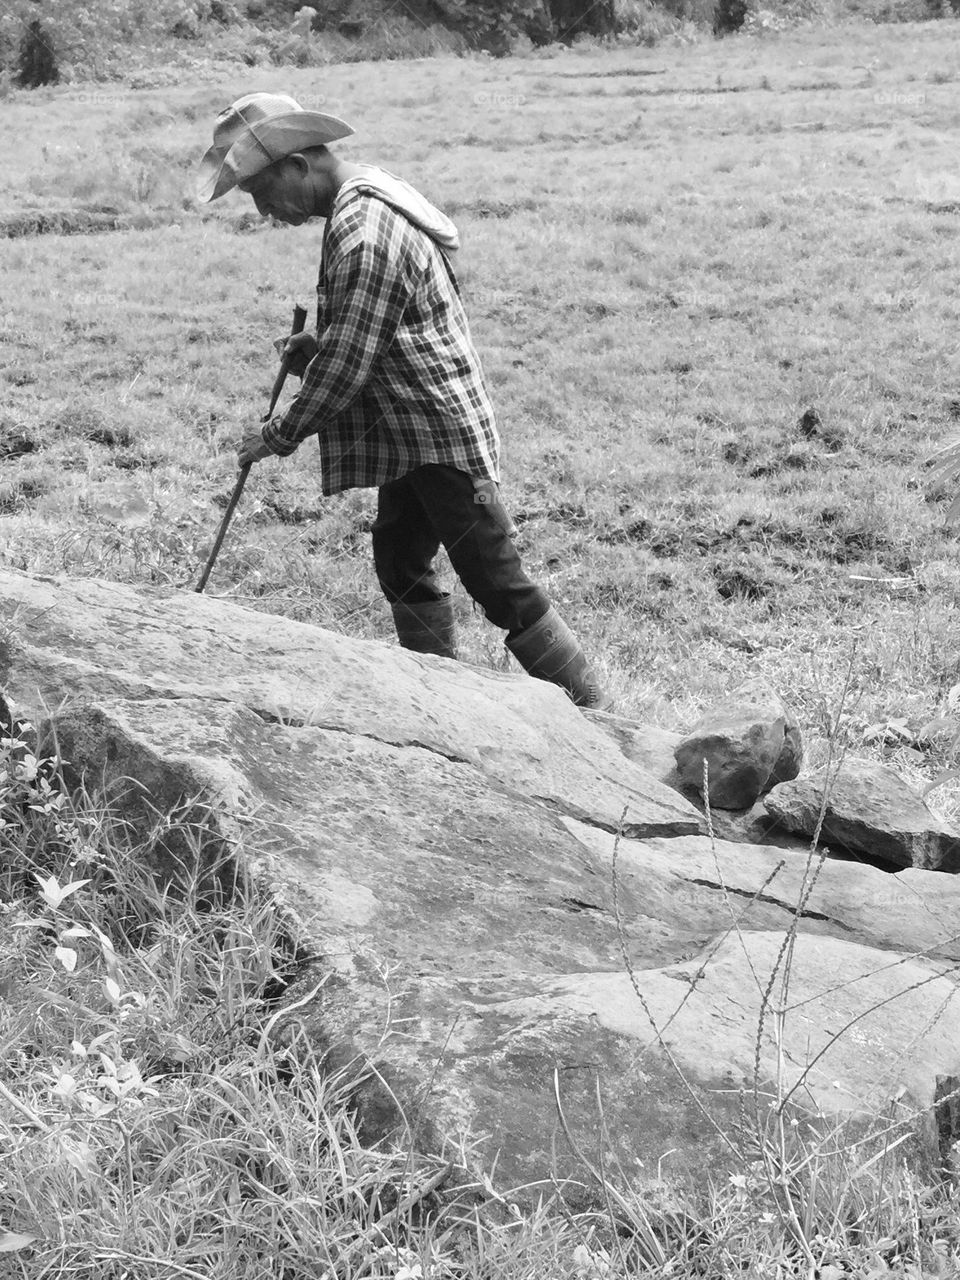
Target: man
392,385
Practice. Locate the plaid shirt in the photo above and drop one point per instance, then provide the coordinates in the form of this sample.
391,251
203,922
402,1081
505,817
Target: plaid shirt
397,382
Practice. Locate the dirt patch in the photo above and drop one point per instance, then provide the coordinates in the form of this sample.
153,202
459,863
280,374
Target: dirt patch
687,96
570,514
14,444
14,497
593,309
493,208
637,531
291,515
112,437
747,578
78,222
607,75
132,462
827,536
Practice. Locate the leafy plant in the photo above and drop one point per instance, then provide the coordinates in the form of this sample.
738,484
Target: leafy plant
494,25
37,59
86,37
946,472
947,726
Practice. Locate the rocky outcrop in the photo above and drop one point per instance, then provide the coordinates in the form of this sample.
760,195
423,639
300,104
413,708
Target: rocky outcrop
449,842
870,810
86,641
653,749
749,742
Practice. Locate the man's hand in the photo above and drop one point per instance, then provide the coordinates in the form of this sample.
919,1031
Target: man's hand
298,350
252,448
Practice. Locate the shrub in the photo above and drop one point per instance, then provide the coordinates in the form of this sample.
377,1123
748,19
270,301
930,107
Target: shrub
643,22
729,16
494,25
700,12
572,18
36,59
391,37
92,38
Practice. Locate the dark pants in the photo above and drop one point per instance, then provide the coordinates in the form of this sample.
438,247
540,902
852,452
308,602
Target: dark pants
435,504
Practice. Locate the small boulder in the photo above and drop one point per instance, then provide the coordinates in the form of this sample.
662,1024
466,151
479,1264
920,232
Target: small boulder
791,753
870,810
750,741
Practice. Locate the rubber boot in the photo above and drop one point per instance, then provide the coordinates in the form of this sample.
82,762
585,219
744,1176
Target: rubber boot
427,627
550,651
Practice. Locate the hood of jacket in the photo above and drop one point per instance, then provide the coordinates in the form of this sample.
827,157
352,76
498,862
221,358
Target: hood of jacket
406,200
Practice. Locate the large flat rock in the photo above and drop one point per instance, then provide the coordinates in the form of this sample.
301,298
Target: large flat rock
479,929
442,840
364,843
904,1018
912,911
88,641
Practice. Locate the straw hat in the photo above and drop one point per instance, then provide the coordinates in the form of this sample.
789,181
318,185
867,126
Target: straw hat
256,131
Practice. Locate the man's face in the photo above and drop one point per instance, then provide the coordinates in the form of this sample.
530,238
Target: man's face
283,191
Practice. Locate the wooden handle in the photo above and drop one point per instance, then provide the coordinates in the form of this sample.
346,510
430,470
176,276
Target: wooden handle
222,531
299,320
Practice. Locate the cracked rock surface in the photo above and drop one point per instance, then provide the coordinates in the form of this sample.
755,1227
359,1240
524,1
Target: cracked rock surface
869,810
455,827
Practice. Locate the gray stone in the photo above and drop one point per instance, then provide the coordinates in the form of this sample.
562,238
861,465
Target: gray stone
87,640
745,742
870,810
790,760
443,840
913,910
652,748
836,983
495,921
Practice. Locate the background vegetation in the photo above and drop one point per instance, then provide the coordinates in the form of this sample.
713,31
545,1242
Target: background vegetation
47,41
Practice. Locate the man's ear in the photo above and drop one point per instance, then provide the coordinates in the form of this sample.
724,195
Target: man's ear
301,163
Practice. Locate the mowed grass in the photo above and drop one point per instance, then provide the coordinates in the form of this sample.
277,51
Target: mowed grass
714,288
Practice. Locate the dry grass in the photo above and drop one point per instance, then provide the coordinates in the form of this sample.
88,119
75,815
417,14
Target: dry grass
152,1123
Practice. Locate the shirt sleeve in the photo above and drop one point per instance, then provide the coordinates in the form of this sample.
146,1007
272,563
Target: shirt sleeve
366,296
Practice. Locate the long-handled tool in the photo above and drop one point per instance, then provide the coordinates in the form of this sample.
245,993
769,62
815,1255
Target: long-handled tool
299,320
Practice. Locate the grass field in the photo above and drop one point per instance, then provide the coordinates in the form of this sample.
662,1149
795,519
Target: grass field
714,287
670,257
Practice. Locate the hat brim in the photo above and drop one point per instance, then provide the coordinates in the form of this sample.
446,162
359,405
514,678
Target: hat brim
263,144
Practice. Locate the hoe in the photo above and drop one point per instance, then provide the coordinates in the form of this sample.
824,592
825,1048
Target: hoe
299,320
